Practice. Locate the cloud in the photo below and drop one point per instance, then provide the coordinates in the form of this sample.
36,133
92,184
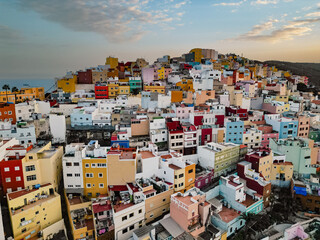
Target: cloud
9,35
229,3
117,20
180,4
265,32
264,2
313,14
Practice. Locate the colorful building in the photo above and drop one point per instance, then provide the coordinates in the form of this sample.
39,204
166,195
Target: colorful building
31,210
68,83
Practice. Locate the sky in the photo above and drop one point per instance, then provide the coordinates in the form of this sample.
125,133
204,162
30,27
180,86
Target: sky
43,39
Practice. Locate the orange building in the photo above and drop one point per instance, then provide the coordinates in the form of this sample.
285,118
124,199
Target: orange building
190,176
176,96
7,112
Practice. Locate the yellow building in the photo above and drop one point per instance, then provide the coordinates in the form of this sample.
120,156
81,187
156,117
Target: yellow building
32,210
68,83
113,90
124,89
282,98
179,178
37,92
155,88
43,165
281,171
22,95
80,217
197,54
94,176
112,61
186,85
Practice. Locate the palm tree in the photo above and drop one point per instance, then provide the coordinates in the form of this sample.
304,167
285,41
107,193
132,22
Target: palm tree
6,87
15,90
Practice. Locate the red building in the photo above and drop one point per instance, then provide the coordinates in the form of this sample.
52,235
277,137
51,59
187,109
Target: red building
235,111
204,178
85,77
101,91
255,181
11,168
206,135
7,112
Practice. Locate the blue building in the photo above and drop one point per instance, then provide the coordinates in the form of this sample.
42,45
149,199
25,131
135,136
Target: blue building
229,200
81,117
234,130
149,100
287,127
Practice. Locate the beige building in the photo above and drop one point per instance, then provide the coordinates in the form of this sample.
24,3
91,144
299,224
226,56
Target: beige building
32,210
99,75
303,126
139,127
157,195
43,165
121,167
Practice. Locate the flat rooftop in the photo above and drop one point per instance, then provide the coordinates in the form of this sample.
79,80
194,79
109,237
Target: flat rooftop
20,193
228,214
146,154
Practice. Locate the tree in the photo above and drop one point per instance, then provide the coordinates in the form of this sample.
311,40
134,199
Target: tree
15,90
6,87
248,218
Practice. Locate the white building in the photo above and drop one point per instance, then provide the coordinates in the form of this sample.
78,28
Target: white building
72,168
58,128
203,79
158,130
41,107
128,218
24,133
65,109
24,111
147,165
252,138
101,118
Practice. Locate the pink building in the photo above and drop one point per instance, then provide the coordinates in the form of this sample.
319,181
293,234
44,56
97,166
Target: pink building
148,74
183,111
267,133
190,210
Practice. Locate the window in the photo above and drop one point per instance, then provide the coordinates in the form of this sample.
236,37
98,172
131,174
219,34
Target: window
124,218
190,171
181,175
6,169
140,211
163,200
77,174
87,165
31,178
88,185
89,175
93,165
18,179
131,215
37,212
8,179
17,168
69,174
30,168
76,164
101,185
131,227
68,164
124,231
100,175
